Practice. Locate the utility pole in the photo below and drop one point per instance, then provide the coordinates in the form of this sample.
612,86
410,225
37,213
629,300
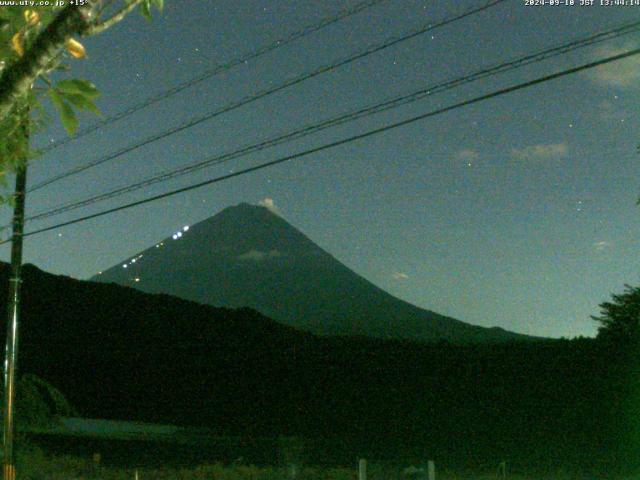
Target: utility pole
13,300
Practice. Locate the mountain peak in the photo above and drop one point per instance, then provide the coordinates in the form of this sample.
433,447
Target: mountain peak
248,256
245,208
244,228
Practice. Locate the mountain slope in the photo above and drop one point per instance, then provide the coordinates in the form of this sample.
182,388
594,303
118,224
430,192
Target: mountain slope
248,256
120,353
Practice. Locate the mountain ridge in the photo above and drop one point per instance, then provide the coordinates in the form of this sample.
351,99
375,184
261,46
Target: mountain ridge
247,255
119,353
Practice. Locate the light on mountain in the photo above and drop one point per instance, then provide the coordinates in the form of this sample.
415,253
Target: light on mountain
185,228
174,236
179,234
124,266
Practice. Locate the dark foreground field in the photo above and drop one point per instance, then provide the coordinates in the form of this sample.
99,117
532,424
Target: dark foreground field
34,464
118,354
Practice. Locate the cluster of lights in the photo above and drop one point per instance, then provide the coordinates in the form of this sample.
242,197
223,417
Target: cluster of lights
178,234
132,261
175,236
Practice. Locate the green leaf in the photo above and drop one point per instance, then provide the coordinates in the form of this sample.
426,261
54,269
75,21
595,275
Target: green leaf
145,9
69,119
67,115
13,15
5,50
56,99
78,87
81,102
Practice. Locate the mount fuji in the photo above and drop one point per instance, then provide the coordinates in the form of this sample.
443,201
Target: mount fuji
249,256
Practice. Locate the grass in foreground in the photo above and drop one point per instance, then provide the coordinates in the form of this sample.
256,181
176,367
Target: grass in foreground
36,465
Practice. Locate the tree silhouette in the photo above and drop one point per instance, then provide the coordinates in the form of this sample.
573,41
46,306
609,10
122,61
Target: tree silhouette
620,318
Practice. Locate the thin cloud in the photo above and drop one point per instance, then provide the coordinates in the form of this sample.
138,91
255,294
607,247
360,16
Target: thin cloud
270,204
400,276
540,151
621,74
600,246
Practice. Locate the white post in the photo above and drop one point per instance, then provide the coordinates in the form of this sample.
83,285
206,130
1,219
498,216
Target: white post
136,474
431,470
362,469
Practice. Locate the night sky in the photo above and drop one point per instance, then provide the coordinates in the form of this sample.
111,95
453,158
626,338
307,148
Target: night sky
516,212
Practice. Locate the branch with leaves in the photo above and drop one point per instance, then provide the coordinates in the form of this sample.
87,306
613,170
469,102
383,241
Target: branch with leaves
34,43
34,60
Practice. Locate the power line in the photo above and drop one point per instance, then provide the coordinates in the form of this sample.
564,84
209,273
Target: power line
270,91
217,69
351,116
343,141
